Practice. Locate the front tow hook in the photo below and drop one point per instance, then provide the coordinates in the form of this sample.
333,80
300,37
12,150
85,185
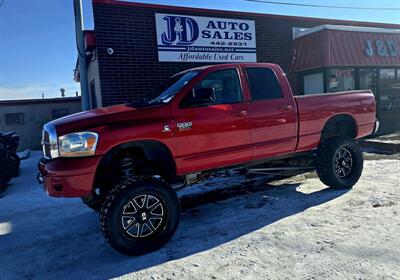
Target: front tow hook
39,178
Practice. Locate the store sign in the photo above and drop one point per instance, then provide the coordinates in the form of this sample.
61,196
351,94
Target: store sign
381,48
203,39
346,73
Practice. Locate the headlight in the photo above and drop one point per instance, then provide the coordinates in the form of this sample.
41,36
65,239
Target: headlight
79,144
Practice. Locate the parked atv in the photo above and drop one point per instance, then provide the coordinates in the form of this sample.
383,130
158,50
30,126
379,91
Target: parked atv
9,160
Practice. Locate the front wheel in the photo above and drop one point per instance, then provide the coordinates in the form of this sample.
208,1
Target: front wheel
139,215
339,162
94,201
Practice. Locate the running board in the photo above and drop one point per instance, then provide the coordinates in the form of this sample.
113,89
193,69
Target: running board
279,170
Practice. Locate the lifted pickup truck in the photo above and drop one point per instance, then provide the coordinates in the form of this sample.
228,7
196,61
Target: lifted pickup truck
125,160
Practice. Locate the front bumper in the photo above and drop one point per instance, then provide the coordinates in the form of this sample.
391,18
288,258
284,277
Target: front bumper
68,177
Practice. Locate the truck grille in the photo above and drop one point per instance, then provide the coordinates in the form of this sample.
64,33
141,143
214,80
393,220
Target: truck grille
49,142
46,144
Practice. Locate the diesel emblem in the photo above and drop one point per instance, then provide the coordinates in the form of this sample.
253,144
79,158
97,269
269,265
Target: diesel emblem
184,125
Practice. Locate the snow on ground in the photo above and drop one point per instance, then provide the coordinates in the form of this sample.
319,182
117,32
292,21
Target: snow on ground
291,229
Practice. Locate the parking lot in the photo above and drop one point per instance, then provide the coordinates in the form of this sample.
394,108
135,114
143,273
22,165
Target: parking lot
230,228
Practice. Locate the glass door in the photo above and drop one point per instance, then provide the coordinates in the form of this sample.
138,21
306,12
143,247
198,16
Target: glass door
389,96
389,83
368,80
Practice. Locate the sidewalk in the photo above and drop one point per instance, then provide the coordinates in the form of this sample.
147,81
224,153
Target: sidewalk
385,144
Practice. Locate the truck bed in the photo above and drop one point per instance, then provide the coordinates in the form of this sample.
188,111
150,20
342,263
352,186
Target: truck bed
315,110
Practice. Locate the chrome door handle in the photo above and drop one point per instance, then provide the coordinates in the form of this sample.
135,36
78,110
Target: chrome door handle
285,107
242,113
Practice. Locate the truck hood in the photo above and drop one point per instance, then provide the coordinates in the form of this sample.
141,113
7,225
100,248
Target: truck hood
100,117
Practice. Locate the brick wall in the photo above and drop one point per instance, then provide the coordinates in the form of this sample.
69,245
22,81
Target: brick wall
133,70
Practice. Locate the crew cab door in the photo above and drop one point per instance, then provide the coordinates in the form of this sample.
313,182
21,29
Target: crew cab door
213,133
273,114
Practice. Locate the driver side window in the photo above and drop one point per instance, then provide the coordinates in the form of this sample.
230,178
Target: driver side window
219,87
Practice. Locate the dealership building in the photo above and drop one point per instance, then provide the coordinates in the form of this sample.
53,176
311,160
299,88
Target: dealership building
135,47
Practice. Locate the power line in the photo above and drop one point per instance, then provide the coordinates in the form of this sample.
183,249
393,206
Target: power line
1,3
324,6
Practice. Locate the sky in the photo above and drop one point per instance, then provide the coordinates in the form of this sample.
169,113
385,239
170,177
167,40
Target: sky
37,37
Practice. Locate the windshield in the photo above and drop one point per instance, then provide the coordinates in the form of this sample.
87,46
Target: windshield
167,91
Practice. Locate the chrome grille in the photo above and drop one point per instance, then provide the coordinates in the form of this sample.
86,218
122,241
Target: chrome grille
46,144
49,142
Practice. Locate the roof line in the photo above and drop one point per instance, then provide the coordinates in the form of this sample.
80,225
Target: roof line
180,8
40,100
315,29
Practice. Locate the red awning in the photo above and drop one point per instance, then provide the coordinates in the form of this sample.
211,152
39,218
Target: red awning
346,46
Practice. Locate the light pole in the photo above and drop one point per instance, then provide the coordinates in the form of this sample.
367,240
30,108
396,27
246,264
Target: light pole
80,43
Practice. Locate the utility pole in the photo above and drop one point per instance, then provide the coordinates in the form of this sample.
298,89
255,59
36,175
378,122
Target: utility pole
80,43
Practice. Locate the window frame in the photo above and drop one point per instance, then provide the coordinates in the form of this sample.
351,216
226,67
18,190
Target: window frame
396,79
302,82
249,84
236,69
21,117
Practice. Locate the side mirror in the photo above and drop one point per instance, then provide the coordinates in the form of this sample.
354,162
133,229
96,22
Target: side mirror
203,96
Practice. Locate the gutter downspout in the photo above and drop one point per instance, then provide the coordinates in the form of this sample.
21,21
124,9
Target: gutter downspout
80,44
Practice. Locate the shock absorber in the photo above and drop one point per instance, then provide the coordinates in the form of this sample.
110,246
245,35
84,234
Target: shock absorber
126,166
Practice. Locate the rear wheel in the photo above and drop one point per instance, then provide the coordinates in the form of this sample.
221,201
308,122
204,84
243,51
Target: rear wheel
139,215
339,162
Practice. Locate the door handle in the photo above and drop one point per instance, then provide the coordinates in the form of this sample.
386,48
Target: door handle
242,113
285,107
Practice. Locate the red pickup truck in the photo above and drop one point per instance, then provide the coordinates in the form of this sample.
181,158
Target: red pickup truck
125,160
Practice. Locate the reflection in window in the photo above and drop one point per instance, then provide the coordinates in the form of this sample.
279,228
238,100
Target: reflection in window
313,83
264,84
226,86
340,80
390,89
368,79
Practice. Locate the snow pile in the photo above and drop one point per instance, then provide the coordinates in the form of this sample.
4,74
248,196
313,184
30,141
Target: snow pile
294,228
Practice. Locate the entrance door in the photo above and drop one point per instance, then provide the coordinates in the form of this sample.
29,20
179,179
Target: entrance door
216,133
389,100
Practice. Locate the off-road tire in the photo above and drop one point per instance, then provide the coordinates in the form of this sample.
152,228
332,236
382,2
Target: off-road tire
95,201
325,162
113,207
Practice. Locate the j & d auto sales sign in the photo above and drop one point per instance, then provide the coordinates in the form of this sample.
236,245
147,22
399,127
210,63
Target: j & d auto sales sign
203,39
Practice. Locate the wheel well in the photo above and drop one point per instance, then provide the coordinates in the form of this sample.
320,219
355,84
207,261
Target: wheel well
340,125
154,155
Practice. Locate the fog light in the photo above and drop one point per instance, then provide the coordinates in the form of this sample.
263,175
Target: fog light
58,187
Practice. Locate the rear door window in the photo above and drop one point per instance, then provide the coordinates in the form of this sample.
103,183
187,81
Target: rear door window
263,84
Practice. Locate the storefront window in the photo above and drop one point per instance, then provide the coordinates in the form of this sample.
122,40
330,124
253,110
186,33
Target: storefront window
340,80
389,83
313,83
368,79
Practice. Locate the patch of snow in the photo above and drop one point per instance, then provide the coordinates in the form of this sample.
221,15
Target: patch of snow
294,228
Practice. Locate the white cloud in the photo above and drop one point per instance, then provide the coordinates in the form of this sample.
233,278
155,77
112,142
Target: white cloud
35,91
